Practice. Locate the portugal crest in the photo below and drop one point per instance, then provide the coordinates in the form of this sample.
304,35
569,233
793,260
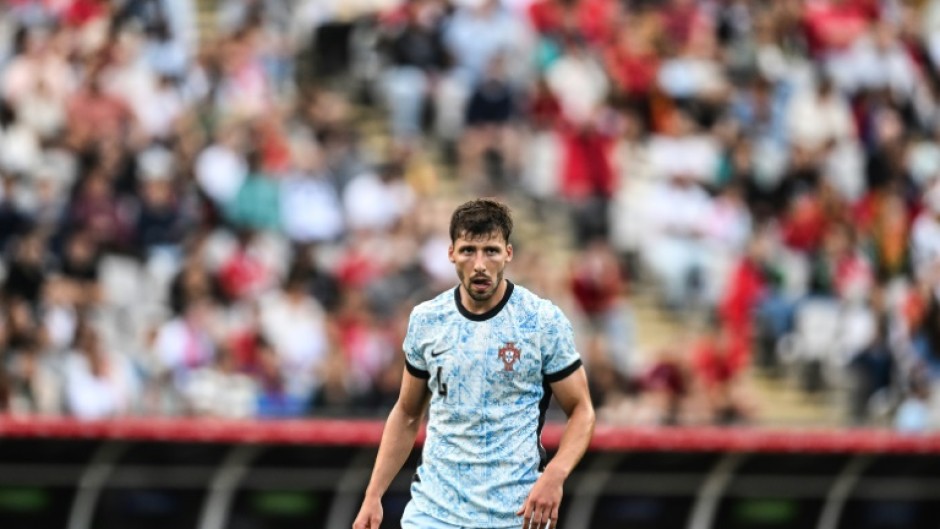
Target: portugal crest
508,353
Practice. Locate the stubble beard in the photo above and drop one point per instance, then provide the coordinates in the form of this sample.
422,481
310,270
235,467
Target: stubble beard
486,295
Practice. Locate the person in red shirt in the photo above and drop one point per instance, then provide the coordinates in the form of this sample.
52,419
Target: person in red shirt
753,310
666,383
835,24
599,288
93,114
633,64
718,360
244,274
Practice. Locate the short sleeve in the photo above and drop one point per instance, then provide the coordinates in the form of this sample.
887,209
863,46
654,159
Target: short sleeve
560,357
414,360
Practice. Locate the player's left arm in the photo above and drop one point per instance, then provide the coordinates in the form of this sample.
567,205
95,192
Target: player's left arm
542,504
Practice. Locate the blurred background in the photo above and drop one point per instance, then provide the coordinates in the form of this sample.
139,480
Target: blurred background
228,209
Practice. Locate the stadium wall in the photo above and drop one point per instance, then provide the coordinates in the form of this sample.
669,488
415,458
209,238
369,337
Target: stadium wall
204,474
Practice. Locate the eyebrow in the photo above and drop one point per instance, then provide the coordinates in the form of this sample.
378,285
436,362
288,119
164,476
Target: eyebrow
485,246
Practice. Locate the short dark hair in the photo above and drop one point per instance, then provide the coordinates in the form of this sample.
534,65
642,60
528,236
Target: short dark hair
482,216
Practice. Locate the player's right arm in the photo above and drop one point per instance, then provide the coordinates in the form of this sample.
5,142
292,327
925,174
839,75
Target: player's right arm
398,438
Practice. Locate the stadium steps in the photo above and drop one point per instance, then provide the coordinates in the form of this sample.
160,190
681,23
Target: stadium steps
206,19
778,401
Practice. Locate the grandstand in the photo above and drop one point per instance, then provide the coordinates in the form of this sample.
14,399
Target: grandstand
208,114
225,210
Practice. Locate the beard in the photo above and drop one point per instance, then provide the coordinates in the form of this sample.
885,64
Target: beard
482,295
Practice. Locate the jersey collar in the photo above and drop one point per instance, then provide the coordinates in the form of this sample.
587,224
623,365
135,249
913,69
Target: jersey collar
488,314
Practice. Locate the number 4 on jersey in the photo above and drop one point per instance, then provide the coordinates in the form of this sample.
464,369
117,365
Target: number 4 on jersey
441,386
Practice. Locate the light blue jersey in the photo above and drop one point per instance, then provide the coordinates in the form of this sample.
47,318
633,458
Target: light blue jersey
488,375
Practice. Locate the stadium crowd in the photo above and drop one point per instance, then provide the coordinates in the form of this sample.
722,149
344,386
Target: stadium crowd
186,229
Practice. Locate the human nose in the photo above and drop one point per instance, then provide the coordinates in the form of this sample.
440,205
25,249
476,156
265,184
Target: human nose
479,262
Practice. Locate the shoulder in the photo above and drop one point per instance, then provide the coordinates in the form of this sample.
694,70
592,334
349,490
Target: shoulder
434,309
544,310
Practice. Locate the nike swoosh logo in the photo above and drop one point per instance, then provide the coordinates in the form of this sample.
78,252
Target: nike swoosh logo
435,354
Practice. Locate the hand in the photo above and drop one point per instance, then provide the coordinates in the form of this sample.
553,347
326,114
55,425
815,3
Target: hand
541,507
370,514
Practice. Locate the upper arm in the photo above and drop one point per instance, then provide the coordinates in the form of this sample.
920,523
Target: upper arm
571,392
414,395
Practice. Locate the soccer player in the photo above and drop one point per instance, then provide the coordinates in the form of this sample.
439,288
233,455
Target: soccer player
484,358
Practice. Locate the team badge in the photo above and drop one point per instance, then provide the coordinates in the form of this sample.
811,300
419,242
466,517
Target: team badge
508,353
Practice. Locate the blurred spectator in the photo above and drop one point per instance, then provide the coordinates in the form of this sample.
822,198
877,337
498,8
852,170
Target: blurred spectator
97,211
886,238
666,386
221,167
94,115
310,205
578,81
376,200
60,312
79,265
256,204
926,339
35,380
476,33
231,208
219,390
185,342
612,393
839,269
274,400
295,326
673,244
99,382
874,374
39,61
244,274
414,45
754,308
718,361
19,145
364,341
489,146
916,414
161,218
336,395
13,219
4,393
323,285
634,64
27,269
925,237
598,287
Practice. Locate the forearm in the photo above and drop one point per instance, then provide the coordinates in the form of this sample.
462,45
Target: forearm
398,439
574,440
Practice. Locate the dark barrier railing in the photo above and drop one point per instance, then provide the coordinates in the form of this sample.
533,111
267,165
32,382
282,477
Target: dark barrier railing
207,474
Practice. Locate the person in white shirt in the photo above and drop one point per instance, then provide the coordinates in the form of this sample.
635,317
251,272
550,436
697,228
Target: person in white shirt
377,200
295,325
221,168
311,210
925,237
99,383
673,247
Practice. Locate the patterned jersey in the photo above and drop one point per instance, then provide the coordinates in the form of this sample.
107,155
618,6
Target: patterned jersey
489,378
